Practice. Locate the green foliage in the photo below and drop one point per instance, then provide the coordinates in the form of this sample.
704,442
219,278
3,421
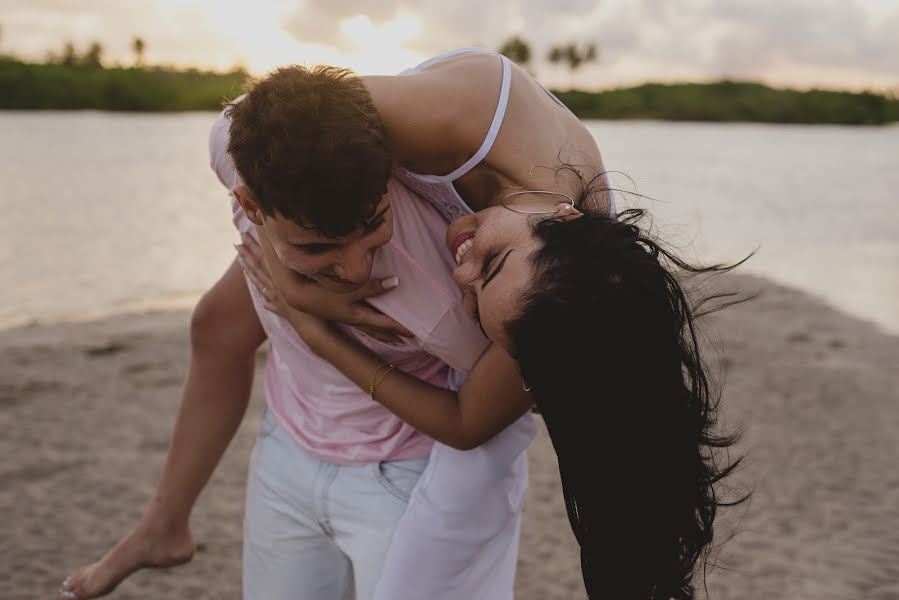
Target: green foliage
94,55
82,85
732,101
86,86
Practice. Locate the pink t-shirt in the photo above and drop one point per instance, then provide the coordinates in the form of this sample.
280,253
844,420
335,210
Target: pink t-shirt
327,414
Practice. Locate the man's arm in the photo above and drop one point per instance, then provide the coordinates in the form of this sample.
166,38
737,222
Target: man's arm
225,333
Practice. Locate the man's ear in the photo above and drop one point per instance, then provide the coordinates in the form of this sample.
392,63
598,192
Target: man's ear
248,204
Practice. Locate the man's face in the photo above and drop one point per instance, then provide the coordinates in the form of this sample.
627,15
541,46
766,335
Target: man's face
340,265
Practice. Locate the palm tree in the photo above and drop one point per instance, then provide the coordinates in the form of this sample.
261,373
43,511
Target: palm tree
94,55
69,56
138,46
573,54
516,49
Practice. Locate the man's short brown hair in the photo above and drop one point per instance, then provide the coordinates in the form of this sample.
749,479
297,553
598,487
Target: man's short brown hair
310,146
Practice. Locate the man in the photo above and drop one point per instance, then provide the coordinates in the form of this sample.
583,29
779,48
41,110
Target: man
332,469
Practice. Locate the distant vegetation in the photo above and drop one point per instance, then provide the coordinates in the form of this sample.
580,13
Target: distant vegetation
85,86
719,101
73,80
733,101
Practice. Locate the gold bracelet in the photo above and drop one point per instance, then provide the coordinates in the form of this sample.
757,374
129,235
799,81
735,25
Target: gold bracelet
374,378
374,384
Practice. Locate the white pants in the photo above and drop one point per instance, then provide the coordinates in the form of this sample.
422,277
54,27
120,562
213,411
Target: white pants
315,530
459,537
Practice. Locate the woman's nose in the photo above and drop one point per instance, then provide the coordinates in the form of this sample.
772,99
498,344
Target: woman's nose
463,275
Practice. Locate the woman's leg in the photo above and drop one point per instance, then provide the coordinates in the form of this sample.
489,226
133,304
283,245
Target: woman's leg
225,333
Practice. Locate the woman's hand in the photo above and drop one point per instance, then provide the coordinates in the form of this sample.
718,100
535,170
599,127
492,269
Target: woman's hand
311,328
348,309
249,255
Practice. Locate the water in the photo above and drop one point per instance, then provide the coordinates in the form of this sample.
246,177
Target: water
109,213
820,203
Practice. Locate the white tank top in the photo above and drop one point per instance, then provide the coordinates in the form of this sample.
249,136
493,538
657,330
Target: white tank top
439,189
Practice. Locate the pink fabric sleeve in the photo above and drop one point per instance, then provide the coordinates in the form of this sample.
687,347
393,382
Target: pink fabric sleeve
456,340
219,159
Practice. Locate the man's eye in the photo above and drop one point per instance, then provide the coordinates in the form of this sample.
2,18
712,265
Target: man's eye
313,249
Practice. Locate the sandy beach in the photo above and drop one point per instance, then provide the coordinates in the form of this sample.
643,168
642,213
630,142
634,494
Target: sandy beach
87,410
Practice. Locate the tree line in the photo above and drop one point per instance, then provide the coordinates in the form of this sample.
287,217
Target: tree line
92,56
80,79
724,100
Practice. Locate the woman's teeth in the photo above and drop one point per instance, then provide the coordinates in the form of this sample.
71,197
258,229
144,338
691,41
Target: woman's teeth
462,249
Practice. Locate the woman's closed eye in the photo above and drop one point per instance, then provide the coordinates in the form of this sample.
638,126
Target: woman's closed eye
488,260
488,263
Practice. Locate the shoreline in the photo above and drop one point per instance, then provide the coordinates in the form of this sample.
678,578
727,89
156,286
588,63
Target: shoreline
89,408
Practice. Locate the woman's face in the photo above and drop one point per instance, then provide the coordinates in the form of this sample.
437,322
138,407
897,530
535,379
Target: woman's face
493,249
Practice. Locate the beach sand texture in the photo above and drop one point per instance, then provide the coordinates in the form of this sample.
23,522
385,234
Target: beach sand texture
87,409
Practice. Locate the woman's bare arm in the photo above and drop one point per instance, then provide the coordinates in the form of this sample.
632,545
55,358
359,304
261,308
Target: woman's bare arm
491,399
437,119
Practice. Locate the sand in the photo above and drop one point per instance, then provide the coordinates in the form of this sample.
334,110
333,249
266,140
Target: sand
87,409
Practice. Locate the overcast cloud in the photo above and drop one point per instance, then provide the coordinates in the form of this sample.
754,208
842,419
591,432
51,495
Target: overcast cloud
852,43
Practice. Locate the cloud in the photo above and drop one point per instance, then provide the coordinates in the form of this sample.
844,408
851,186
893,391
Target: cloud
317,21
446,24
834,42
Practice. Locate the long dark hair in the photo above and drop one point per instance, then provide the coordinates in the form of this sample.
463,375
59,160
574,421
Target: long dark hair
607,340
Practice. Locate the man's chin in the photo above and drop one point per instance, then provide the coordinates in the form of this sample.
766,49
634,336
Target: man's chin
338,287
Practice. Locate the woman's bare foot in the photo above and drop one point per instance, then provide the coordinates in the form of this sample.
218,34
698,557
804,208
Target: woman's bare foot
147,546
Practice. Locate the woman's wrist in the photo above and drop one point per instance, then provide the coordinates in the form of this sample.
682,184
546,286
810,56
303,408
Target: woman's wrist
316,333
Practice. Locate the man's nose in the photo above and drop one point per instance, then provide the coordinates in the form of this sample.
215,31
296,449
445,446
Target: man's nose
355,264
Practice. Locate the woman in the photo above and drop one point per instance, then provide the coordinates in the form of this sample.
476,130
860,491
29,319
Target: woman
591,309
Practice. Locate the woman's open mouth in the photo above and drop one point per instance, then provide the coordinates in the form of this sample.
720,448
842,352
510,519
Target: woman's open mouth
461,245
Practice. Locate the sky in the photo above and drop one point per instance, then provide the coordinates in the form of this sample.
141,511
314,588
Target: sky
852,44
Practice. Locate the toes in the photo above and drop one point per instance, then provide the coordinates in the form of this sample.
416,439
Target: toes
70,588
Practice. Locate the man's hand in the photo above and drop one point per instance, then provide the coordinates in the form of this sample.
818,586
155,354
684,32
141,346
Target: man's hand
282,288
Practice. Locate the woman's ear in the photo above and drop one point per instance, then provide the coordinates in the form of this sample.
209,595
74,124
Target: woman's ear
566,212
248,204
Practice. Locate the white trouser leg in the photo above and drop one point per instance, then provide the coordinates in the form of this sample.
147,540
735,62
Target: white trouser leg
316,530
459,536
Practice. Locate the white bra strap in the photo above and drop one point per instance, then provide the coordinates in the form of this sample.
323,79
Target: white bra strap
494,126
446,55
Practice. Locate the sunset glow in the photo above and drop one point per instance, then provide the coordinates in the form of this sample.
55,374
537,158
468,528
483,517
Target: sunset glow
834,43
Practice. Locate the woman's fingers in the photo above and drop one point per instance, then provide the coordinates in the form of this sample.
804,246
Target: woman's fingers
251,260
375,287
258,277
252,252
